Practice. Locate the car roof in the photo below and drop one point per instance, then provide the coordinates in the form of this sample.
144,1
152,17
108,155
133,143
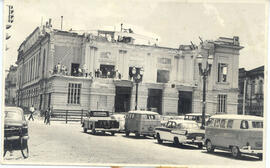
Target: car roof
196,114
143,112
8,108
183,121
236,116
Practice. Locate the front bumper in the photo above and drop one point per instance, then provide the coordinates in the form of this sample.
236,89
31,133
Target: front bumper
248,150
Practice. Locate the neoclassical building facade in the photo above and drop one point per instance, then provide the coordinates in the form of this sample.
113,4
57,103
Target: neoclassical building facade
67,70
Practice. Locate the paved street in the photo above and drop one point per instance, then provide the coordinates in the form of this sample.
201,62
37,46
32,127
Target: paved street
66,143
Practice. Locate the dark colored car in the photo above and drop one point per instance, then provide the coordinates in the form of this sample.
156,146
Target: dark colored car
15,131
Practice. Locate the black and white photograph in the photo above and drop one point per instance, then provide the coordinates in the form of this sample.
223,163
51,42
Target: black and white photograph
175,83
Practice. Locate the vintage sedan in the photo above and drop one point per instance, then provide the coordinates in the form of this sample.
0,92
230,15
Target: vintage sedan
15,131
100,121
121,119
181,132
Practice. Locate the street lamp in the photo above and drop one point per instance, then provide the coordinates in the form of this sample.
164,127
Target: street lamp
137,78
204,72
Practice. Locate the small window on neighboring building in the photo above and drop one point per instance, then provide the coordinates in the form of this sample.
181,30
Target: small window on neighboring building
222,103
222,72
260,89
163,76
74,93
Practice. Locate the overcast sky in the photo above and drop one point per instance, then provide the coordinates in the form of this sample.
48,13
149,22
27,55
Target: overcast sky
172,22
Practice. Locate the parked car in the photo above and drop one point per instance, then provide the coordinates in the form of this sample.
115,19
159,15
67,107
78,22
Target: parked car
181,132
15,131
196,117
236,133
100,121
121,119
142,123
166,118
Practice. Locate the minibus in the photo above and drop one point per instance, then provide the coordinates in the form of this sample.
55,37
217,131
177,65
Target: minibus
239,134
142,123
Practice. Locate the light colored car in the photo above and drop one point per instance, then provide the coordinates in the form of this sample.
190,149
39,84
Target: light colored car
100,121
142,123
121,119
240,134
181,132
165,118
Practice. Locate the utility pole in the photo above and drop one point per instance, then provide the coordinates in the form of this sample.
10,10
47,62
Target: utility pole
244,97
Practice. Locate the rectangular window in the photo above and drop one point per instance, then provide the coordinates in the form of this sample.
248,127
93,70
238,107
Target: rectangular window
164,60
74,93
222,72
230,124
222,103
163,76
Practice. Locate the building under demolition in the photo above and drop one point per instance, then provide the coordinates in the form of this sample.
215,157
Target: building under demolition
68,70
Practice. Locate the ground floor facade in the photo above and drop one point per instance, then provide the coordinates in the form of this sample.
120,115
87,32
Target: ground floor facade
114,95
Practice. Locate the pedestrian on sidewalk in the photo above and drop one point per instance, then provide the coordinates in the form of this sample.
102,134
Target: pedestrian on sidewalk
32,110
49,113
45,116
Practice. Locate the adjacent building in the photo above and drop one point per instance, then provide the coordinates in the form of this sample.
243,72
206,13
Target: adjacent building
251,94
67,70
10,86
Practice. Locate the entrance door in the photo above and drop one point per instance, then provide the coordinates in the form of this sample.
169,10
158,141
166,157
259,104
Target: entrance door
184,102
154,100
122,99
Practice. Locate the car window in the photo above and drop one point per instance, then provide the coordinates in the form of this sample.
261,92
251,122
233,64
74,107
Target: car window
257,124
15,115
210,122
244,124
217,123
187,125
222,123
230,124
151,117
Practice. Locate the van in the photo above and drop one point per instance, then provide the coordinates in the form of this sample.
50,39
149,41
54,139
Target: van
141,123
239,134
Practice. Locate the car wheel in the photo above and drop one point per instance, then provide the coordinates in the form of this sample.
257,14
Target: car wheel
209,146
127,133
5,151
176,141
112,133
24,148
159,140
85,130
137,135
260,156
94,132
235,152
200,145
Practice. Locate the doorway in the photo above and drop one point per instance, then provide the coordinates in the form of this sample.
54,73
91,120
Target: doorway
74,69
184,102
122,99
154,100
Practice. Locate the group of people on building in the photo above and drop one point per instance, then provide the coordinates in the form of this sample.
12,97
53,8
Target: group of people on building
107,74
60,69
82,71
